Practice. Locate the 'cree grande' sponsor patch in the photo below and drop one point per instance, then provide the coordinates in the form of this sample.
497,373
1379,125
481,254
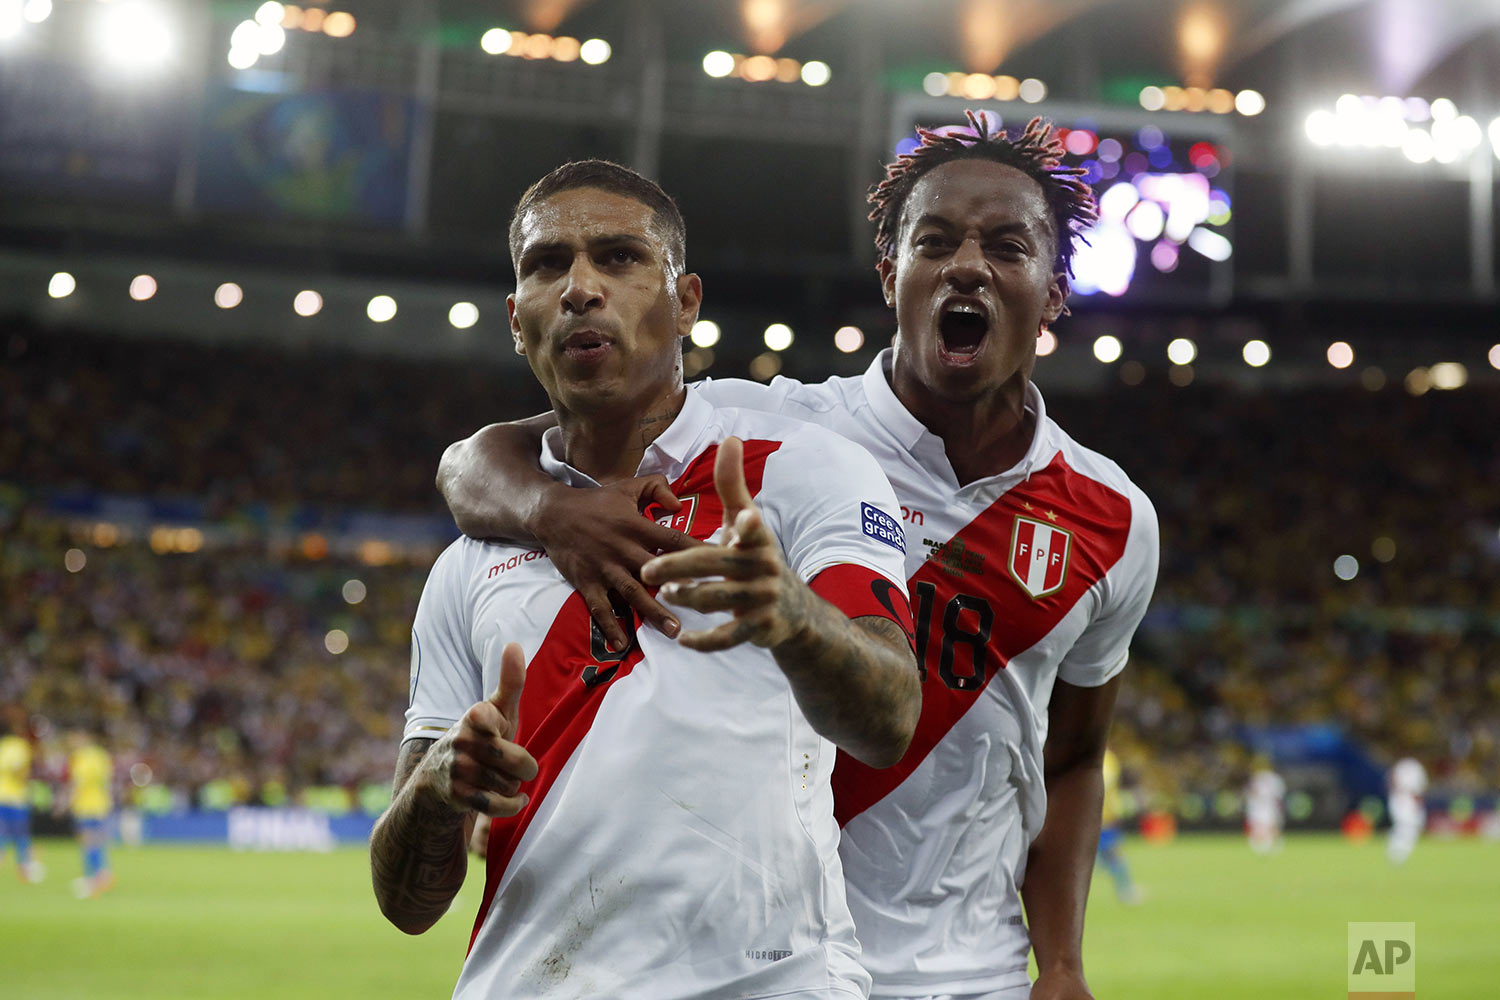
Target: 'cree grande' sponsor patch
880,525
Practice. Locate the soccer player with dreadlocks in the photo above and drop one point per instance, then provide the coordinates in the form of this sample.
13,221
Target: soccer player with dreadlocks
1030,562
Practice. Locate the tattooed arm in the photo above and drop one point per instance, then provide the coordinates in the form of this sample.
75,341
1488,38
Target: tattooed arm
417,858
417,849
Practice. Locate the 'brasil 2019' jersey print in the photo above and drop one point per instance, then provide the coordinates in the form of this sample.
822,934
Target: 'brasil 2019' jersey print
1016,580
679,840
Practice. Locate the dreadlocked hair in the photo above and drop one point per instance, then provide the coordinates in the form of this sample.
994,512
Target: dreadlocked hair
1036,152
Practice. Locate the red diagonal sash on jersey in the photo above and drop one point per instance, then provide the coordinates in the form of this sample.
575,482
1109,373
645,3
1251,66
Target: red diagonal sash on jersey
968,575
557,704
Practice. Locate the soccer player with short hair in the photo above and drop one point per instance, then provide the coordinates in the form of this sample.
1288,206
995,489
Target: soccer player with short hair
1031,560
15,803
663,819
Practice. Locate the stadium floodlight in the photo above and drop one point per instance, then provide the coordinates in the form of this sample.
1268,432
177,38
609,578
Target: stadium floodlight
1182,351
142,287
1346,567
1108,349
133,36
935,84
1321,127
243,58
1249,103
381,309
1153,98
595,51
228,295
1046,343
1418,145
63,284
1448,375
705,333
463,315
11,19
496,41
1210,244
1494,357
307,303
1443,110
1256,353
269,38
848,339
718,63
815,73
270,12
1340,354
778,336
37,11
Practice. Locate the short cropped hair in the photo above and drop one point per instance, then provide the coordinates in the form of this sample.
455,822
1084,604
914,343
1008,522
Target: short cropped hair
612,177
1035,151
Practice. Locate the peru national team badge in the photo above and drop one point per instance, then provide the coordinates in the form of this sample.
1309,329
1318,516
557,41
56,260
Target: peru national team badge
681,521
1039,556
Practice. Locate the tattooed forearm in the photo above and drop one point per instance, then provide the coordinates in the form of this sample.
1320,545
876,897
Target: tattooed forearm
417,850
856,681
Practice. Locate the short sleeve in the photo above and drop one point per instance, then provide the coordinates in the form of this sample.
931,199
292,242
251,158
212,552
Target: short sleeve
830,504
1101,651
745,394
446,677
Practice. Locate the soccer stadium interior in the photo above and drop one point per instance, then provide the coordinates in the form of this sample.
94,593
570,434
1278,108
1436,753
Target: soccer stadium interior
253,269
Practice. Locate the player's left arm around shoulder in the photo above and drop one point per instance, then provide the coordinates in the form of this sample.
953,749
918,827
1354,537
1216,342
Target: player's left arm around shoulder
1061,860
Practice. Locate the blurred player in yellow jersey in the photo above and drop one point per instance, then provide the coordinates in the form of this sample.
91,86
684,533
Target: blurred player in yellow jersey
1110,837
90,774
15,805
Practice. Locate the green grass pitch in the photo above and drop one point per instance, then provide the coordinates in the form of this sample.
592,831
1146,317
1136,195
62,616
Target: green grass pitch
191,922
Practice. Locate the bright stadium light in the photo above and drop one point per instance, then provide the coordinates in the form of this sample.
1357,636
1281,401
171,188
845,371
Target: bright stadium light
381,309
1046,343
307,303
848,339
595,51
37,11
496,41
1153,98
1256,353
1448,375
1033,90
1418,146
62,285
463,315
815,73
718,63
1340,354
1494,356
228,295
243,58
269,39
1321,127
705,333
12,19
1108,349
1249,103
142,287
133,36
778,336
1346,567
1182,351
1210,244
935,84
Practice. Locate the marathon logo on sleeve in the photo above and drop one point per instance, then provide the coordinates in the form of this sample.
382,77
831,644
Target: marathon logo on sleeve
879,525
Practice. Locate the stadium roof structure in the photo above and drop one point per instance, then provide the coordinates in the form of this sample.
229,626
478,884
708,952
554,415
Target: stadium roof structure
367,147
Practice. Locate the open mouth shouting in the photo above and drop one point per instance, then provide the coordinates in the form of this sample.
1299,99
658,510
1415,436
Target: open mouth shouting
585,346
963,325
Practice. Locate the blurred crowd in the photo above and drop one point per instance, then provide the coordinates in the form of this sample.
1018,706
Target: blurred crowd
249,669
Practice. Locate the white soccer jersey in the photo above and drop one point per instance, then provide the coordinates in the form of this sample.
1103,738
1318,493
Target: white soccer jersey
1040,572
1408,777
680,839
1264,798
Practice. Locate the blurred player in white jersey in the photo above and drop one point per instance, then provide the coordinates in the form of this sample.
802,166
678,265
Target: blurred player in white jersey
663,819
1031,560
1265,809
1406,783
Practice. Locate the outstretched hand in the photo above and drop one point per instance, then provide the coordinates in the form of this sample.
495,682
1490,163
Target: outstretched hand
477,765
744,574
598,541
